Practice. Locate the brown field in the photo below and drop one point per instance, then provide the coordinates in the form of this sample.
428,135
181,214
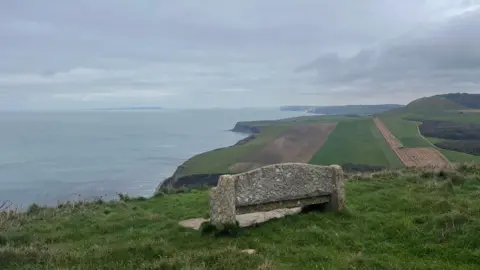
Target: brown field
425,157
298,144
413,157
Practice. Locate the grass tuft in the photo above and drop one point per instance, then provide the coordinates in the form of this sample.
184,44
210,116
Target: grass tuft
34,209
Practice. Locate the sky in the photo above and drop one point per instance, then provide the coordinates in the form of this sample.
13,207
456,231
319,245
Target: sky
65,54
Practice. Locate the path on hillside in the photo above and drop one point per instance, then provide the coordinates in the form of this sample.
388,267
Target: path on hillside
413,157
423,137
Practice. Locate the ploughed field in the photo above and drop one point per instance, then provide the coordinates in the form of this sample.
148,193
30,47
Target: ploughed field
413,157
297,144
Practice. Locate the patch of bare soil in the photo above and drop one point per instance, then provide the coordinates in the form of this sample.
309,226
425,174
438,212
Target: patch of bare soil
298,144
425,157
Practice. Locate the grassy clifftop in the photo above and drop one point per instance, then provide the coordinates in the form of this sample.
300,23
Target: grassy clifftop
394,220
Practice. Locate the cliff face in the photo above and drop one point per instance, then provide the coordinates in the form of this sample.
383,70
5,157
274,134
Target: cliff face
196,180
245,128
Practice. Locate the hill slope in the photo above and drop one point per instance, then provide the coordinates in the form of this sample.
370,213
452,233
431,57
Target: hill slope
423,107
442,115
471,101
387,226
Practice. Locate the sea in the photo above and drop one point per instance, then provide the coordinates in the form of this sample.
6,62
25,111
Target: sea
52,157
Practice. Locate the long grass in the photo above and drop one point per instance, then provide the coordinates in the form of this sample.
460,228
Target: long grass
394,220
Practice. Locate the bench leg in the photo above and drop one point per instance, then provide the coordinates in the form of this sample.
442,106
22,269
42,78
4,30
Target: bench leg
337,198
222,202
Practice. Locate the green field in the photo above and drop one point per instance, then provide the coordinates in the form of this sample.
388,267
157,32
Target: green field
358,142
387,225
459,157
405,131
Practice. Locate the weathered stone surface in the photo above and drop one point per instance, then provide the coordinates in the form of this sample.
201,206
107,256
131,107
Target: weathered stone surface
222,201
337,198
276,186
279,182
245,220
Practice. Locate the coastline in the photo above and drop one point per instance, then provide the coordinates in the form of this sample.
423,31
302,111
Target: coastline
177,181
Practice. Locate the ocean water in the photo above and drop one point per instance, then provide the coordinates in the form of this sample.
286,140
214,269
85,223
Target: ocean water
50,157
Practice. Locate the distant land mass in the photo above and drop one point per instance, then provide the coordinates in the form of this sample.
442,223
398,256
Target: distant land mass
140,108
343,110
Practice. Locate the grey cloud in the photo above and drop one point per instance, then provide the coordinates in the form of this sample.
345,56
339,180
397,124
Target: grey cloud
70,53
437,57
78,32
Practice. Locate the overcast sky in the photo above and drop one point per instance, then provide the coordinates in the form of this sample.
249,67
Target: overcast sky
60,54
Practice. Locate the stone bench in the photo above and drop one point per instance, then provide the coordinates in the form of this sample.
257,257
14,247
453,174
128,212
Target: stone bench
285,185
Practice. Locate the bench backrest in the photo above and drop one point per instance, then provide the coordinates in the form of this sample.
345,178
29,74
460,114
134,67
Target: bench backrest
276,186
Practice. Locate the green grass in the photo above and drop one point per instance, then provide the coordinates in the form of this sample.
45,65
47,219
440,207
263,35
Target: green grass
459,157
454,156
219,160
358,142
387,225
405,131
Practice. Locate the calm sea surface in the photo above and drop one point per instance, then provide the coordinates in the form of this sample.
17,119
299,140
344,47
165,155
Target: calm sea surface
47,157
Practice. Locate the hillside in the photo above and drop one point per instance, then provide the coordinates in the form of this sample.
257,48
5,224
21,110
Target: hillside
425,107
439,106
387,225
471,101
447,122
